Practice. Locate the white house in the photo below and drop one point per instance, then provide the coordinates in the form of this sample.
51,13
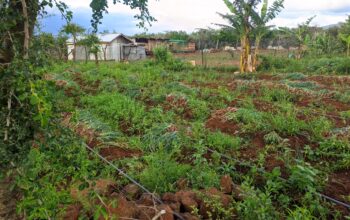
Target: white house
113,47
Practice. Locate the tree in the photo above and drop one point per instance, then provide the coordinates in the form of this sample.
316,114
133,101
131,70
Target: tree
260,28
301,34
73,30
23,108
91,44
247,23
344,34
346,39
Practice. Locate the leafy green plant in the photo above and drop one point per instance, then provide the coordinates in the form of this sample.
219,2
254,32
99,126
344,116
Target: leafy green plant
162,172
222,142
303,177
162,54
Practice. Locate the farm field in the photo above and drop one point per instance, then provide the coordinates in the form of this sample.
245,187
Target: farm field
223,58
211,145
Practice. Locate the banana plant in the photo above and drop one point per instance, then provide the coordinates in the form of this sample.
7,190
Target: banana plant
260,24
346,39
250,24
301,34
240,20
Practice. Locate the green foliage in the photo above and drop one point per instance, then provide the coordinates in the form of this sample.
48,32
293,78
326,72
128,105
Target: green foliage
119,109
295,76
222,142
272,138
162,54
49,167
162,172
333,65
257,205
303,177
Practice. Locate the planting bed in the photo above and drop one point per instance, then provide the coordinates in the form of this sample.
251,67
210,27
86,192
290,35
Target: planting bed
212,145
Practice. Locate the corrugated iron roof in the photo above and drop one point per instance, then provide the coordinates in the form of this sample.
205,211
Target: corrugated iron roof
103,37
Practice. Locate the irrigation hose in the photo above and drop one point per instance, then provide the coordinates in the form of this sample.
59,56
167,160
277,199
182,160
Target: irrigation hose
130,179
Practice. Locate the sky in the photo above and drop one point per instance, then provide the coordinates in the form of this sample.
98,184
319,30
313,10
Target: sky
188,15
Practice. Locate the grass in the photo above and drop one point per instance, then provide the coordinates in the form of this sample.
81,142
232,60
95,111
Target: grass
130,105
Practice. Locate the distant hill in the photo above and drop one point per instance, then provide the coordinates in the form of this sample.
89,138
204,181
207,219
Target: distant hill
332,26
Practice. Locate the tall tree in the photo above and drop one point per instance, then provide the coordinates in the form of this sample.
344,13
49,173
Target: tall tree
73,30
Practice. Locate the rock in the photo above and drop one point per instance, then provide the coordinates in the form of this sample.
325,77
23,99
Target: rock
226,184
188,200
169,197
146,213
213,194
182,184
146,199
176,206
123,209
72,212
132,191
168,212
188,216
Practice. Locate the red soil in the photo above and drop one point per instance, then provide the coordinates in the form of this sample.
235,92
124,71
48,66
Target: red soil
218,121
116,153
339,187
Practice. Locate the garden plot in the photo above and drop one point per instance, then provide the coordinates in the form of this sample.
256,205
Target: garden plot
216,144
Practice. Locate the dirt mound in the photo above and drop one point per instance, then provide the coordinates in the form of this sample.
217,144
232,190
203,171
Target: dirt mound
338,187
257,144
219,121
179,105
92,140
116,153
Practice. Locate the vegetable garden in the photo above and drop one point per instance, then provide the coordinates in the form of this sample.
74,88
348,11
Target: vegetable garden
210,144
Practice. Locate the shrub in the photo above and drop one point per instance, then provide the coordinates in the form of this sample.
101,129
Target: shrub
162,54
303,177
162,172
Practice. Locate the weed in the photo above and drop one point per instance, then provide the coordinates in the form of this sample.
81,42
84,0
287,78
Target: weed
162,172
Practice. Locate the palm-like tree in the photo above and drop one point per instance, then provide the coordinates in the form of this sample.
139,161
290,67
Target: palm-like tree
260,24
248,23
74,30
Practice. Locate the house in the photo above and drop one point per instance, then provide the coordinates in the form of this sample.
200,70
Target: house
150,43
182,46
113,47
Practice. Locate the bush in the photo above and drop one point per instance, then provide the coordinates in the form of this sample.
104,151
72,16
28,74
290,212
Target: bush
325,65
162,172
162,54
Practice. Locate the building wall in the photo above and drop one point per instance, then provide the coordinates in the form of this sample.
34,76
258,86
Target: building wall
115,50
133,53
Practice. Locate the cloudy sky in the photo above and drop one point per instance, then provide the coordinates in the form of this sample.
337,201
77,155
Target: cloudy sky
191,14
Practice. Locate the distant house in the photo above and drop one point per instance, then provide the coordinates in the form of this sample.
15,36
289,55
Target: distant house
150,43
113,47
182,46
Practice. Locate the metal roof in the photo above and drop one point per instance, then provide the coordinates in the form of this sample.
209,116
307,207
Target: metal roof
107,38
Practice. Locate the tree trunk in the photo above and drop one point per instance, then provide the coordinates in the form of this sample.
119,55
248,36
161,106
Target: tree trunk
245,65
25,30
256,52
96,58
74,48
